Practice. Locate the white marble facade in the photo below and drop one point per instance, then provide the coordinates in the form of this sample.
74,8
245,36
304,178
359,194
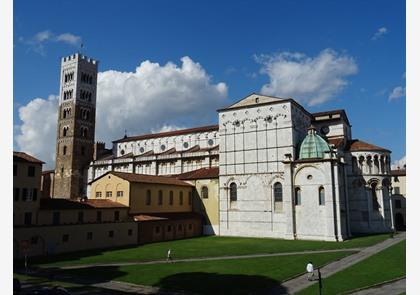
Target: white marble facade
256,146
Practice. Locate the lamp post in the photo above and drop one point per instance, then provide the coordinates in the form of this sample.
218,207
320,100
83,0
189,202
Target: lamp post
319,281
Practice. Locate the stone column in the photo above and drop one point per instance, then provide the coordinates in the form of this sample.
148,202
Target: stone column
288,201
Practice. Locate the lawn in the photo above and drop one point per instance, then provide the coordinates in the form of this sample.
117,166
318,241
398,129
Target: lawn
202,247
386,265
239,276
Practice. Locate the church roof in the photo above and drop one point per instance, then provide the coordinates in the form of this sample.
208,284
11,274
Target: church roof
359,145
208,128
58,204
313,146
203,173
145,178
24,157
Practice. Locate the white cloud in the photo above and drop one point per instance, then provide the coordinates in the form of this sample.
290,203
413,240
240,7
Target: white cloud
166,128
69,38
38,41
153,97
36,134
396,93
310,80
398,163
379,33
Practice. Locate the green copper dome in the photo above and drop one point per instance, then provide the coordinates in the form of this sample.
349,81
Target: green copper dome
313,146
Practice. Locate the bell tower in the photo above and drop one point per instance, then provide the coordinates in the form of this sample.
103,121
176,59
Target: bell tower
75,126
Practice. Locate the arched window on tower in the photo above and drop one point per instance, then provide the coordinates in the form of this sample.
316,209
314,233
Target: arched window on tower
233,192
278,196
298,200
205,192
64,150
65,129
321,196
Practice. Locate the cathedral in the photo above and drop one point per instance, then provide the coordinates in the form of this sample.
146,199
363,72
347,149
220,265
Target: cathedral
269,168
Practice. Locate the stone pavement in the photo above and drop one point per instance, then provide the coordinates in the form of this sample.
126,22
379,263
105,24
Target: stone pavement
299,283
210,258
393,288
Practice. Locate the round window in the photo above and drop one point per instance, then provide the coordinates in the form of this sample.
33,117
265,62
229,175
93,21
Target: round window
210,142
142,150
185,144
122,152
162,147
309,177
325,130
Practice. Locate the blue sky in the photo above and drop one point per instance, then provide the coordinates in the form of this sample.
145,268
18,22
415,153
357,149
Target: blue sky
235,43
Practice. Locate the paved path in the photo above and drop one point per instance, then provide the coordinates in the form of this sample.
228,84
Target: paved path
299,283
210,258
393,288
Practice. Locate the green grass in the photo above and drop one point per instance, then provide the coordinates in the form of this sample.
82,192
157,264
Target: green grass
386,265
202,247
238,276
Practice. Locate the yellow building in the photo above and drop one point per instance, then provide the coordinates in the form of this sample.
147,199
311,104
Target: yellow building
206,196
45,226
162,205
144,193
26,188
399,197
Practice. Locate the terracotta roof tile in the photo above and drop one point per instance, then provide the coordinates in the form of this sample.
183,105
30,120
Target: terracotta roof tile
203,173
167,216
400,172
336,142
144,178
24,157
58,204
359,145
170,133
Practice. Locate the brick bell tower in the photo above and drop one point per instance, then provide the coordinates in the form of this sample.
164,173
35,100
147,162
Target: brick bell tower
76,125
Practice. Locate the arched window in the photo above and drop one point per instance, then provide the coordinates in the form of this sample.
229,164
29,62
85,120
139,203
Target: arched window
65,131
375,203
278,192
321,196
171,198
160,198
181,197
64,150
233,192
354,165
298,199
148,197
204,192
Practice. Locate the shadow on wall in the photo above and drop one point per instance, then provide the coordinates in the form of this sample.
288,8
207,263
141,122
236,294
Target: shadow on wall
214,283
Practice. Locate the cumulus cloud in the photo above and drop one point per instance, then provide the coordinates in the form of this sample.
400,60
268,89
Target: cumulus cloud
154,98
310,80
36,135
37,42
399,163
396,93
379,33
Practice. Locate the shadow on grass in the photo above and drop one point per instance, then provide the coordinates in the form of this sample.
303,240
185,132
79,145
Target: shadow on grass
213,283
75,281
